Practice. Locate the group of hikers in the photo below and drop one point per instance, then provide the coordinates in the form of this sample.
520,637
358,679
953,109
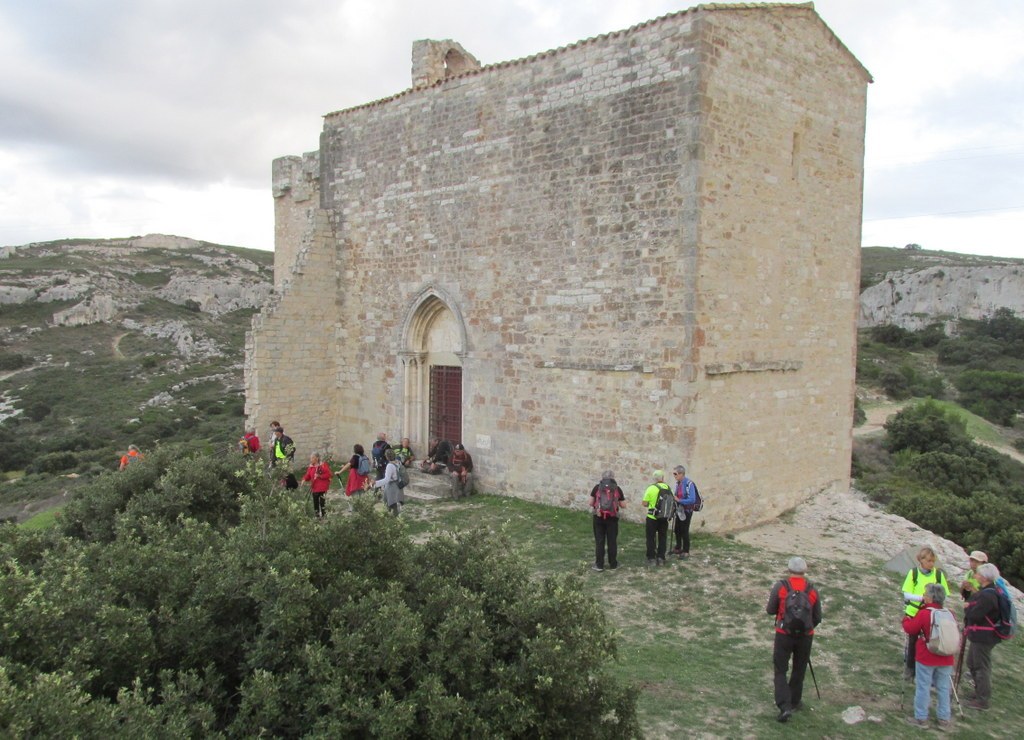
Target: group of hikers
934,639
935,642
664,504
384,469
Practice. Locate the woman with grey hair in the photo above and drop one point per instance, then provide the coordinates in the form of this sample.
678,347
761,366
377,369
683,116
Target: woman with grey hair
686,499
606,499
981,615
393,495
932,668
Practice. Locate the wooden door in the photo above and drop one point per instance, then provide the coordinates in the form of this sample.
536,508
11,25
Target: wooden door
446,402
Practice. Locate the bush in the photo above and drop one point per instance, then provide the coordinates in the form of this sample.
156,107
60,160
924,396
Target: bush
996,396
189,598
925,427
53,462
13,361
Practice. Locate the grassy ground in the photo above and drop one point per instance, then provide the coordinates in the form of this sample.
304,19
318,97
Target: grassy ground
695,641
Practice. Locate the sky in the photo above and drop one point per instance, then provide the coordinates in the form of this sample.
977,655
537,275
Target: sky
129,117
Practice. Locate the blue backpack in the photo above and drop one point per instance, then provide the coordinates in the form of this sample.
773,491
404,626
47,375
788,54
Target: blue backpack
364,465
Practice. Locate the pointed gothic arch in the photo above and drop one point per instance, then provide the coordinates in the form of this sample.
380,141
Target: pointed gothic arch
433,348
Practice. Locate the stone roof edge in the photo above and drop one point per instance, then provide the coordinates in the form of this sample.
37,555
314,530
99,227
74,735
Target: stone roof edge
715,7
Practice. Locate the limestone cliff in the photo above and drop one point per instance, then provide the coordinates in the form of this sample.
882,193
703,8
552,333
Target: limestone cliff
914,299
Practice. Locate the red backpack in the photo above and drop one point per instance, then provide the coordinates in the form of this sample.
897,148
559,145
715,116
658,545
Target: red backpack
606,500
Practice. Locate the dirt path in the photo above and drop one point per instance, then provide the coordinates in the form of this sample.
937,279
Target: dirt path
877,416
115,345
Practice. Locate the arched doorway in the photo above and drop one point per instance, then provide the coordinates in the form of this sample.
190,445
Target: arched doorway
434,342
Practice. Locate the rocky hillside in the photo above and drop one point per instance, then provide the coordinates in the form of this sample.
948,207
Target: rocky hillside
915,288
109,342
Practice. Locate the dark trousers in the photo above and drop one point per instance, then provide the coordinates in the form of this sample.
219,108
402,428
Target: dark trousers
657,530
910,656
606,529
683,532
790,693
318,504
979,663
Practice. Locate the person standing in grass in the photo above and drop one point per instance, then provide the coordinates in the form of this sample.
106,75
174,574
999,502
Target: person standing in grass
981,615
656,528
606,499
913,598
686,499
931,667
796,606
970,584
318,475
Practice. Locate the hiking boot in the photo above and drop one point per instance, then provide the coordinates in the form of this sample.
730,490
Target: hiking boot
661,561
784,714
981,706
684,556
597,568
917,722
650,562
946,725
615,566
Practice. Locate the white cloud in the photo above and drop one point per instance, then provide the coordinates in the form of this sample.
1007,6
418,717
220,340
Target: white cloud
165,115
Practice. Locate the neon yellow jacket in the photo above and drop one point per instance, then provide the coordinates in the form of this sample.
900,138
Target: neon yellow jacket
913,587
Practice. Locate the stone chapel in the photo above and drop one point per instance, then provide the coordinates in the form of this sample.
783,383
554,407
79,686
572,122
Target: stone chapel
633,252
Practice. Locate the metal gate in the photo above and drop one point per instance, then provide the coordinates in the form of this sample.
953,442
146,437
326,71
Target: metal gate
446,402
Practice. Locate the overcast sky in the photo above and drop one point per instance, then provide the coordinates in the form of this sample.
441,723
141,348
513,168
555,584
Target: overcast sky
126,117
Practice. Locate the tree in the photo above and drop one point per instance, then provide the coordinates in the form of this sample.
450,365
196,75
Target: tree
925,427
191,597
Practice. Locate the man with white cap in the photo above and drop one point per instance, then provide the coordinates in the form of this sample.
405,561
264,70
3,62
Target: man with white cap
970,584
796,607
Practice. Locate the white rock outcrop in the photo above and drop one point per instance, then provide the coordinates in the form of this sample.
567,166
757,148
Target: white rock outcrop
915,299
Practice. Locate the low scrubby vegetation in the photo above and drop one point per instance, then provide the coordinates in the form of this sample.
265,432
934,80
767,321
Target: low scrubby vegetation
186,597
929,470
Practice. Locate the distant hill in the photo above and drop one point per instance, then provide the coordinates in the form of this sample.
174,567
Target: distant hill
104,343
913,288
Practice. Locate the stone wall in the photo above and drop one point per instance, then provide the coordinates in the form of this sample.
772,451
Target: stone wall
594,235
779,259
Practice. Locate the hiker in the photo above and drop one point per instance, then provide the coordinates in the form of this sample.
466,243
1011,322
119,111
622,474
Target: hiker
657,520
462,466
377,453
606,499
358,467
318,475
980,617
913,598
796,606
249,444
282,454
403,453
970,584
393,495
438,456
932,668
133,455
686,499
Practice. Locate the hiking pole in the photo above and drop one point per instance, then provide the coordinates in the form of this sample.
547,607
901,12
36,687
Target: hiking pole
957,697
813,678
960,660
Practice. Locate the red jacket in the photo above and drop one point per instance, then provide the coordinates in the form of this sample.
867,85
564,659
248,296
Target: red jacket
921,624
320,475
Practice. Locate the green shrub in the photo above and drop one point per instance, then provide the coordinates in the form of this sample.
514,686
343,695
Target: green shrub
925,427
53,462
13,361
996,396
167,617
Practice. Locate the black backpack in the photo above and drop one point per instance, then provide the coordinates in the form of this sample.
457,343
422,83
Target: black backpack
798,612
403,475
665,506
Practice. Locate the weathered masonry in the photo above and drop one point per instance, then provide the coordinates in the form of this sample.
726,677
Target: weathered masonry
632,252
